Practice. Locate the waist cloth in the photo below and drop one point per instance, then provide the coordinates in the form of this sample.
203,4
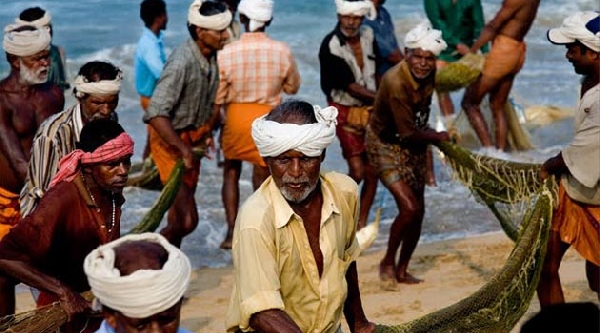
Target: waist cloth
10,213
506,57
351,142
237,142
578,224
165,157
394,163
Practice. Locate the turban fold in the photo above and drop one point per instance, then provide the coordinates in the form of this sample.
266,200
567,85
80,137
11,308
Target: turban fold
213,22
25,42
273,138
583,27
100,88
424,37
144,292
358,8
112,150
258,11
42,22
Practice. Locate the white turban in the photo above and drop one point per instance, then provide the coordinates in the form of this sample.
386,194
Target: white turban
42,22
26,42
424,37
142,293
582,26
358,8
273,138
100,88
213,22
258,11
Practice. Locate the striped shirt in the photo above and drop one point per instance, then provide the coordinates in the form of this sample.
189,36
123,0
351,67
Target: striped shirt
256,69
55,138
186,90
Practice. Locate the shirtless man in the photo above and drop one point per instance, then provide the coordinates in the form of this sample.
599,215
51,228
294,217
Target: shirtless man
26,100
506,31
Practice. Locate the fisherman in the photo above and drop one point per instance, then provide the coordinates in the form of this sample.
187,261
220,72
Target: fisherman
41,18
26,100
80,211
397,138
249,89
348,58
96,88
150,55
294,247
139,281
506,31
182,113
576,219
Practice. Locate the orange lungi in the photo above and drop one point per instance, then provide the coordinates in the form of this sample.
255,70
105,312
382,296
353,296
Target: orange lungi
165,157
506,57
237,141
10,213
578,224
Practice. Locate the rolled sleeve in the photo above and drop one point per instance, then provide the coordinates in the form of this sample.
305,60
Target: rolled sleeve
257,275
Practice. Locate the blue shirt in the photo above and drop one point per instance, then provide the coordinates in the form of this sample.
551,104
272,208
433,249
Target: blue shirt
105,328
385,37
149,61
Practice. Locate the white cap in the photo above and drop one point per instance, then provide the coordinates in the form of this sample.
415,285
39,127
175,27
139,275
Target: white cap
583,27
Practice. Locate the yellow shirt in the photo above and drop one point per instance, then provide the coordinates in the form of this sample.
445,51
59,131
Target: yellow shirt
275,267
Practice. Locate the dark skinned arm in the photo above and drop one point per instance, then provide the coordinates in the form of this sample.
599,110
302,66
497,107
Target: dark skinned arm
273,321
490,30
428,136
362,93
353,311
10,146
553,166
70,301
166,131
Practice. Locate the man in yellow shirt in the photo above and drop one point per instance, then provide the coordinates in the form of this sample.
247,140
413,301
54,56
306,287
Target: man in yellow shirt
295,243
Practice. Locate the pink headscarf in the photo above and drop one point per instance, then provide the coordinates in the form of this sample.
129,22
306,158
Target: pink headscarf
112,150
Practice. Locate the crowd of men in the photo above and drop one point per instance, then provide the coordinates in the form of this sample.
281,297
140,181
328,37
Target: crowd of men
294,239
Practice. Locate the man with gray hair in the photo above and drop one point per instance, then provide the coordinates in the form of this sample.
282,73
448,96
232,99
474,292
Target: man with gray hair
26,100
139,282
249,89
348,58
182,114
397,138
576,219
41,18
96,88
294,245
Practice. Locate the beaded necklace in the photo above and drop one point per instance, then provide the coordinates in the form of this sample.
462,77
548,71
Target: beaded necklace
112,220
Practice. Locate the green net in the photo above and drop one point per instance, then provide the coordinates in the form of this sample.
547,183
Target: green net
500,303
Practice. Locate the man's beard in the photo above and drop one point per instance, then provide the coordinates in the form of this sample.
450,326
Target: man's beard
32,76
297,196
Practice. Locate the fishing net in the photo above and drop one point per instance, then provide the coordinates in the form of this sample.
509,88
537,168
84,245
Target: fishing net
523,205
459,74
506,187
46,319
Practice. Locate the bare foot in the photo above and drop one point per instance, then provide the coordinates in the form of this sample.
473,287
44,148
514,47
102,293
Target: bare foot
387,279
407,278
226,244
431,181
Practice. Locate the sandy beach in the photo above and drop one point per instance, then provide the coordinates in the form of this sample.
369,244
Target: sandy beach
451,270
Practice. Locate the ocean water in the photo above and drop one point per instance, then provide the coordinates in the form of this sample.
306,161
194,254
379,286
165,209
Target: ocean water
108,30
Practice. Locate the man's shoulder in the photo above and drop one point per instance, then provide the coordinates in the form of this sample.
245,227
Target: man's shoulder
52,124
327,39
340,182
